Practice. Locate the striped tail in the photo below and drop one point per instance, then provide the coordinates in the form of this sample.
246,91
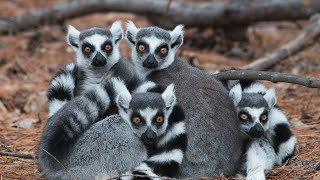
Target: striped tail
62,88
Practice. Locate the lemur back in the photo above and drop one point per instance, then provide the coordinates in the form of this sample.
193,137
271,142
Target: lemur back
215,141
271,140
158,122
97,60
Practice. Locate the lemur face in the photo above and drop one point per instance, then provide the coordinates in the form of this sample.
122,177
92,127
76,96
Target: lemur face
96,47
253,110
152,47
147,113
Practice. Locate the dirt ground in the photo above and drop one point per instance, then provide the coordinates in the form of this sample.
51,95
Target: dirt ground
29,60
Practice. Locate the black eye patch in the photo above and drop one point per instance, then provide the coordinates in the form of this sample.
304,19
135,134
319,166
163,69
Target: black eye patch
85,46
162,50
104,45
135,114
246,113
141,50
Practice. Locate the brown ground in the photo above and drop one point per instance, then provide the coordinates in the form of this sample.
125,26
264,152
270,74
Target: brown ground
28,61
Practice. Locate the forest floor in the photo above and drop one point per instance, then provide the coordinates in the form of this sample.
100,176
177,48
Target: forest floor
29,60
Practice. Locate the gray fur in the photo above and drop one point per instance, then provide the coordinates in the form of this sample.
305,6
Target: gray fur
252,100
95,30
215,141
154,101
154,31
105,148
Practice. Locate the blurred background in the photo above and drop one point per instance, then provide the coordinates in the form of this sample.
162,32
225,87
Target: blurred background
29,59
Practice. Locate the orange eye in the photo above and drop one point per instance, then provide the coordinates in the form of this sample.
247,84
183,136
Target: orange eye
141,48
163,50
159,119
244,116
108,47
264,117
87,50
136,120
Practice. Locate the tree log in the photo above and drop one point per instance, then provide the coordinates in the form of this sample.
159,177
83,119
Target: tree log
217,14
18,154
274,77
305,38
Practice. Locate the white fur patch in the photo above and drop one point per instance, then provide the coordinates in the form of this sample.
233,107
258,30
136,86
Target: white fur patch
73,34
255,113
147,170
175,33
287,148
255,88
54,106
116,29
148,114
102,95
70,67
236,94
132,29
175,155
64,80
145,87
168,96
270,97
175,130
153,42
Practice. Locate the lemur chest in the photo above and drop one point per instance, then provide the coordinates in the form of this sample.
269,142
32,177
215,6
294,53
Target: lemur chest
91,80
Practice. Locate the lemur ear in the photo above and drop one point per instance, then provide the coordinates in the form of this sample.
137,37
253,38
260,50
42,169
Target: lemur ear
270,97
116,31
123,96
177,37
131,32
169,97
236,94
73,37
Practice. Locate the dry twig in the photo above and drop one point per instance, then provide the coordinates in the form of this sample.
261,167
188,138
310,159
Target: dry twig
18,154
305,38
217,14
275,77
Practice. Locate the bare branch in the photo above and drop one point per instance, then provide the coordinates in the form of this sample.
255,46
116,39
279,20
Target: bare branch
18,154
217,14
275,77
305,38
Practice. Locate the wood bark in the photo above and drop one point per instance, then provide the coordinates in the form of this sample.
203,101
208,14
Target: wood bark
217,14
304,39
18,154
274,77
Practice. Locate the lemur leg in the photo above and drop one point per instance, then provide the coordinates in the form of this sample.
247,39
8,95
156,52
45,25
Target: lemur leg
260,157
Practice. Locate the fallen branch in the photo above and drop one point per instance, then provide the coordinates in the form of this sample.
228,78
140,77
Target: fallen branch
274,77
217,14
18,154
305,38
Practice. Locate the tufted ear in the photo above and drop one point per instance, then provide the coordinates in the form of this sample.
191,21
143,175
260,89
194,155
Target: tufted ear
177,37
73,37
236,94
123,101
270,97
169,97
131,32
116,31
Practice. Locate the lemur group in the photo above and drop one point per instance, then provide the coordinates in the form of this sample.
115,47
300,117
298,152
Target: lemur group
155,117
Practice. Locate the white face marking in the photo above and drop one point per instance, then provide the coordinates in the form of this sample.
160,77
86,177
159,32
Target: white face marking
153,43
96,40
255,113
148,114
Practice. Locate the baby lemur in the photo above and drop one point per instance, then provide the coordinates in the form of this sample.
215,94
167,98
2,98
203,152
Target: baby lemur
158,122
272,141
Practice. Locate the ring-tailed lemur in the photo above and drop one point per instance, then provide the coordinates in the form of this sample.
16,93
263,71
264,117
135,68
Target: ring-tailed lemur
272,141
97,60
215,141
159,123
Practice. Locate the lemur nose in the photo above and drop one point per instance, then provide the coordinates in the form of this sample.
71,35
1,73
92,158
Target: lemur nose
99,60
149,135
256,131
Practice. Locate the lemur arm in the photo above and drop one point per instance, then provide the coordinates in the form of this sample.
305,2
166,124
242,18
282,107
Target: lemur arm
62,88
71,121
169,153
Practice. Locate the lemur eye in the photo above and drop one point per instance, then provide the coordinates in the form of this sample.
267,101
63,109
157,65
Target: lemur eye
244,116
136,120
163,50
264,117
87,50
141,48
108,47
159,119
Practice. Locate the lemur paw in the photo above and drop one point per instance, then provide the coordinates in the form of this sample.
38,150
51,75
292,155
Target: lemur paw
256,175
